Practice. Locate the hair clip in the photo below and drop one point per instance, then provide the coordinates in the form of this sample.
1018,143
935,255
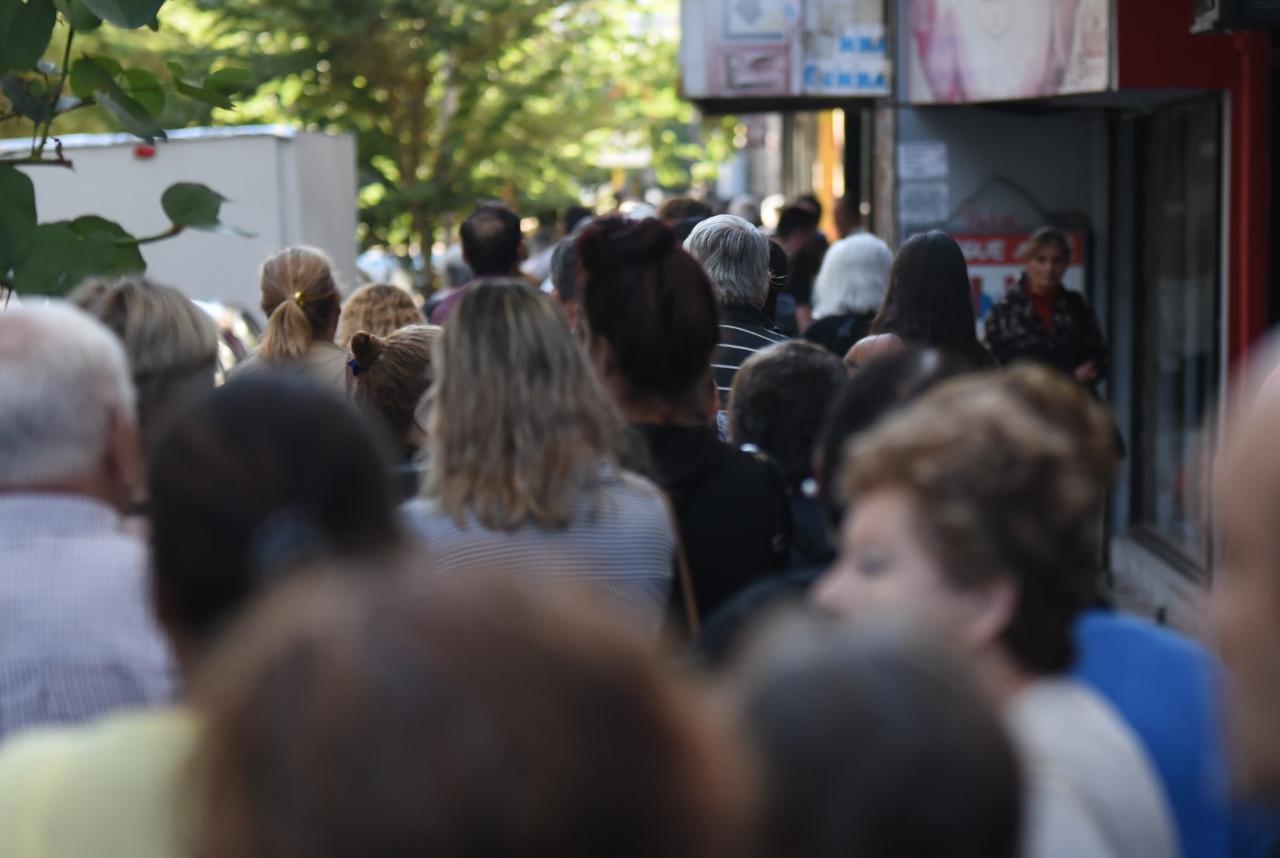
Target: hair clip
356,369
299,298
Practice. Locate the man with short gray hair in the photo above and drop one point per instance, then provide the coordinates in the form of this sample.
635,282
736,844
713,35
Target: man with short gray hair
736,257
76,635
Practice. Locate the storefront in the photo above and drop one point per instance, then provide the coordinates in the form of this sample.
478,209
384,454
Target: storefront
1150,145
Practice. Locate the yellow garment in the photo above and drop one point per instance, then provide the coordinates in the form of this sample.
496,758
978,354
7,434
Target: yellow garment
108,790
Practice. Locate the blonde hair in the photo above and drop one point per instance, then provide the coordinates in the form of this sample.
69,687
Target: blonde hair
519,421
171,344
391,374
300,298
376,309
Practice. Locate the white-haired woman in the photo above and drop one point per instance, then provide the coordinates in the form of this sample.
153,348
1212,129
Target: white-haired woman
523,473
848,291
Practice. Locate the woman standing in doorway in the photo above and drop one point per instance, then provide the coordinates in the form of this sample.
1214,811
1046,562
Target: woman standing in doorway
1039,320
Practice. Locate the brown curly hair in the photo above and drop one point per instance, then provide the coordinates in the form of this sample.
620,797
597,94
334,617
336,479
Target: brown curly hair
391,374
1009,471
378,309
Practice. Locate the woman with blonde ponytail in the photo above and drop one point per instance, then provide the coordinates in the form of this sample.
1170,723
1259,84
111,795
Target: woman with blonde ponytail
301,300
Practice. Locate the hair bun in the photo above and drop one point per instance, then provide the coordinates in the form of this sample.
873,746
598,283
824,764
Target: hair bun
614,241
366,348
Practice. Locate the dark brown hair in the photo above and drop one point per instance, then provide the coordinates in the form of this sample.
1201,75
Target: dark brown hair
928,302
874,743
651,302
1002,492
454,720
391,374
253,482
780,396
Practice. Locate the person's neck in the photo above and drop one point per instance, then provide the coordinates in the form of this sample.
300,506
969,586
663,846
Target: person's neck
1043,291
1001,678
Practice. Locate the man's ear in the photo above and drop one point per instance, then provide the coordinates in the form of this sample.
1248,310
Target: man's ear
122,461
989,610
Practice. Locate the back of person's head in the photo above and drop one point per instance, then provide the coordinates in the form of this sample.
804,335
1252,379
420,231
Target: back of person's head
456,271
929,301
875,743
455,719
376,308
854,277
1002,494
735,255
780,396
871,394
809,203
564,269
675,209
390,375
651,304
848,215
746,207
574,218
300,297
519,420
796,219
171,344
259,478
491,241
66,402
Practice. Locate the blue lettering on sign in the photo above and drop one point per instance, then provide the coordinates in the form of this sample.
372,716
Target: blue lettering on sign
846,79
811,74
847,45
869,45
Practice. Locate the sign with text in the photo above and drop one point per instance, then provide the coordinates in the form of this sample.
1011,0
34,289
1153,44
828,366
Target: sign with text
961,51
995,265
747,49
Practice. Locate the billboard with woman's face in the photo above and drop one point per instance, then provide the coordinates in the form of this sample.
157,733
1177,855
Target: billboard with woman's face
962,51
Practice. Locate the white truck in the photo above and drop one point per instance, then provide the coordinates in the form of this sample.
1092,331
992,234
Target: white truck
283,185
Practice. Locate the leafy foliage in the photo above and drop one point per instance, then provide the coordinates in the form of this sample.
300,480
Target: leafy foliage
456,100
52,258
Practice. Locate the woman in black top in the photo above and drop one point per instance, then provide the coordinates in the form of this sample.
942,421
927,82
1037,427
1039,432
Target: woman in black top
653,323
929,302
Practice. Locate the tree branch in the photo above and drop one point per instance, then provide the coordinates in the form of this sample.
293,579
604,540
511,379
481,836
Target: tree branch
57,92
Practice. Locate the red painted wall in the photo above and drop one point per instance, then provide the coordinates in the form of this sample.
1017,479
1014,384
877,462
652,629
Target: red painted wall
1158,51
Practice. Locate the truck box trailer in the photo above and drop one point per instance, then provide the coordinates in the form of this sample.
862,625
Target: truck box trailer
283,185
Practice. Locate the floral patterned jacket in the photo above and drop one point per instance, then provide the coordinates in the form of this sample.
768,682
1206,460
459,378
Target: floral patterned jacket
1014,332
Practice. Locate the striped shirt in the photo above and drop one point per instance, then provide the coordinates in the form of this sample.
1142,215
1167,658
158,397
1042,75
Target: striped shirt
621,541
77,638
743,332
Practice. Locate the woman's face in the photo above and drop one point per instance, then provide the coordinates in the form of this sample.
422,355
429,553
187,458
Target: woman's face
886,567
1045,267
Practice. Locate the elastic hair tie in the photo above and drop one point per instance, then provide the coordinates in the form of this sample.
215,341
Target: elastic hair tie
299,298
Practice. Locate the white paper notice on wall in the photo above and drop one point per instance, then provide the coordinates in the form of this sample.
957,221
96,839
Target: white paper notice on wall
922,160
924,203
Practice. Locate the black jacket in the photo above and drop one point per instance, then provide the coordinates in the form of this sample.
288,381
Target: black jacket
1014,332
731,509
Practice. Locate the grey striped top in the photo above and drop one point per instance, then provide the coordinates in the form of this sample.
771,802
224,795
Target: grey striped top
621,542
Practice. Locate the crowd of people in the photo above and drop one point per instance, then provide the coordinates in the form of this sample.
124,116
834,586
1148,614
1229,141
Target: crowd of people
721,544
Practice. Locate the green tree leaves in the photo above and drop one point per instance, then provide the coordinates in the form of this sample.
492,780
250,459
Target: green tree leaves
52,258
129,14
192,205
97,78
28,33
